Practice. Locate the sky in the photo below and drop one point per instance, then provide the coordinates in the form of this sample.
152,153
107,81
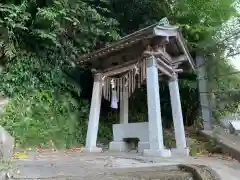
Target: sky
236,62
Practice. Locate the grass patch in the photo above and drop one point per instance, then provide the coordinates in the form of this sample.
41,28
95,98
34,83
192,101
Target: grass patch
197,144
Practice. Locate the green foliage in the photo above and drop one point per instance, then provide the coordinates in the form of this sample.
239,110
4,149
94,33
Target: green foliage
58,28
40,40
206,27
41,109
224,83
40,120
202,20
133,15
104,133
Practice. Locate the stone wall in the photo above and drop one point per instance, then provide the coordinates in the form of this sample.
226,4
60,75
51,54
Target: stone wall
6,145
6,140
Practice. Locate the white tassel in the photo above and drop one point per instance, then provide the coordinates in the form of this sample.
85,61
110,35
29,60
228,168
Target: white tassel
121,89
104,87
129,82
117,89
108,88
114,101
126,81
132,84
144,69
103,80
113,83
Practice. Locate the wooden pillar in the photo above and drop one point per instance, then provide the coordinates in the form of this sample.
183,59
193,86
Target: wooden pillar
94,115
154,112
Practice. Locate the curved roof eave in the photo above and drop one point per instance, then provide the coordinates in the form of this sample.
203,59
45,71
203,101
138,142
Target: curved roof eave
126,41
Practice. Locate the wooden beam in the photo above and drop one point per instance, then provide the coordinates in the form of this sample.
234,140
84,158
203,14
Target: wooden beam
122,64
159,53
166,68
164,71
119,70
184,48
162,63
162,66
180,58
178,70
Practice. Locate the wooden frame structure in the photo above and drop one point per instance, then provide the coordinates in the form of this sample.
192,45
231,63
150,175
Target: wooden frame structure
157,50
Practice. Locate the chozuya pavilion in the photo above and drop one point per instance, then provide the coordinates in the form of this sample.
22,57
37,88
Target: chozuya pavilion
142,57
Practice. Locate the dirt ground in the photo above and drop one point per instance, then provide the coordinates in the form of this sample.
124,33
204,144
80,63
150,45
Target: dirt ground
74,164
78,165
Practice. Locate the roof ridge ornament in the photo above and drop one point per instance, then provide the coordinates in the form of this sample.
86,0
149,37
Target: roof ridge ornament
163,22
163,28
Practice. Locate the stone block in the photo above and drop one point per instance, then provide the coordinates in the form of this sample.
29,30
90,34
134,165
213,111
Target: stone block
157,152
131,130
6,145
180,152
142,146
92,150
119,146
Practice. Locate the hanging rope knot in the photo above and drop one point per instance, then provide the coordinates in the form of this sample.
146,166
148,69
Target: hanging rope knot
126,81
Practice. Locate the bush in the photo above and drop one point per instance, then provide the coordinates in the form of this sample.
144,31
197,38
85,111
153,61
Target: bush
40,120
42,110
